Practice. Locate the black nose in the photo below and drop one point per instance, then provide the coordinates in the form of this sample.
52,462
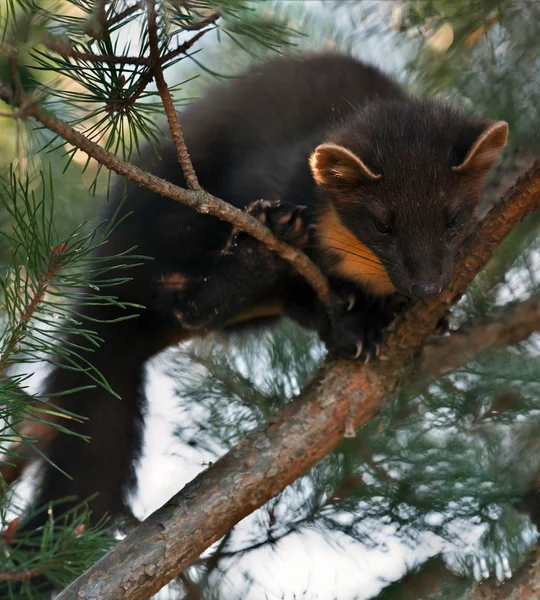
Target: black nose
426,290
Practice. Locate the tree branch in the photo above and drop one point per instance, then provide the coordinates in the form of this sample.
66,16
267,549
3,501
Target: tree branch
512,325
199,200
154,62
172,118
184,46
62,46
204,22
118,18
296,438
20,575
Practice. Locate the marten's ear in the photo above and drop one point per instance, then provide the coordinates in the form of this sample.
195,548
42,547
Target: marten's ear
486,149
336,168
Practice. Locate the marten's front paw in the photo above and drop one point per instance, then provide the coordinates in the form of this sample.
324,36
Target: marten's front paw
286,221
357,338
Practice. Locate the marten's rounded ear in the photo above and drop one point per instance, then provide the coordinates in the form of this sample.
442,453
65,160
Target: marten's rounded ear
486,149
335,167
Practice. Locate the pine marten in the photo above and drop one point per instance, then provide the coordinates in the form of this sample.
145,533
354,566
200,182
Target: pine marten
377,187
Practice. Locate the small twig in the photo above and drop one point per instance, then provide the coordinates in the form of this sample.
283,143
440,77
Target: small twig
172,118
511,326
185,46
20,575
35,295
125,13
202,561
212,562
123,104
63,49
209,20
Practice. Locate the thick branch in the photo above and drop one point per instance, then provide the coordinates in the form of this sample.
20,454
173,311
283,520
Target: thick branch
199,200
295,439
512,325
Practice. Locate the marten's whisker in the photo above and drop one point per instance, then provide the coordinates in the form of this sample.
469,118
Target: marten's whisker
365,258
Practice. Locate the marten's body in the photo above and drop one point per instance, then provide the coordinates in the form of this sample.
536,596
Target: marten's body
390,184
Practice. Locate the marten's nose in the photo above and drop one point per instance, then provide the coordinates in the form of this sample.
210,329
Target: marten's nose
426,290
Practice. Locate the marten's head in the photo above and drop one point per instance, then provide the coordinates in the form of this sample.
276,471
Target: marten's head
400,184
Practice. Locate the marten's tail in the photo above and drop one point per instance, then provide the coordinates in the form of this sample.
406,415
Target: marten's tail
103,461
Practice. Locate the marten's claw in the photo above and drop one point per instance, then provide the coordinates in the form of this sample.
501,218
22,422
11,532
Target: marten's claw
286,221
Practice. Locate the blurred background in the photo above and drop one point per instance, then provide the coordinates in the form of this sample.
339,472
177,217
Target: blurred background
437,480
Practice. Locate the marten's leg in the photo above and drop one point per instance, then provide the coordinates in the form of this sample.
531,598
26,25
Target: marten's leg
363,321
361,318
243,274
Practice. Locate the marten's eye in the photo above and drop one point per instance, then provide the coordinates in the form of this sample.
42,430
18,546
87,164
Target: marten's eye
452,225
381,227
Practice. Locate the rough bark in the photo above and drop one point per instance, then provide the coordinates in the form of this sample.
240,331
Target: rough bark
512,325
312,425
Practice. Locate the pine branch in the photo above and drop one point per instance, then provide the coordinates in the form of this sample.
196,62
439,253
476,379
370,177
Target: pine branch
65,50
154,63
296,438
199,200
25,575
124,14
32,436
184,46
512,325
35,297
62,47
172,118
205,22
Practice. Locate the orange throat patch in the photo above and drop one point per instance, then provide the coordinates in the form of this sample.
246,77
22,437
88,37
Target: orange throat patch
355,260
